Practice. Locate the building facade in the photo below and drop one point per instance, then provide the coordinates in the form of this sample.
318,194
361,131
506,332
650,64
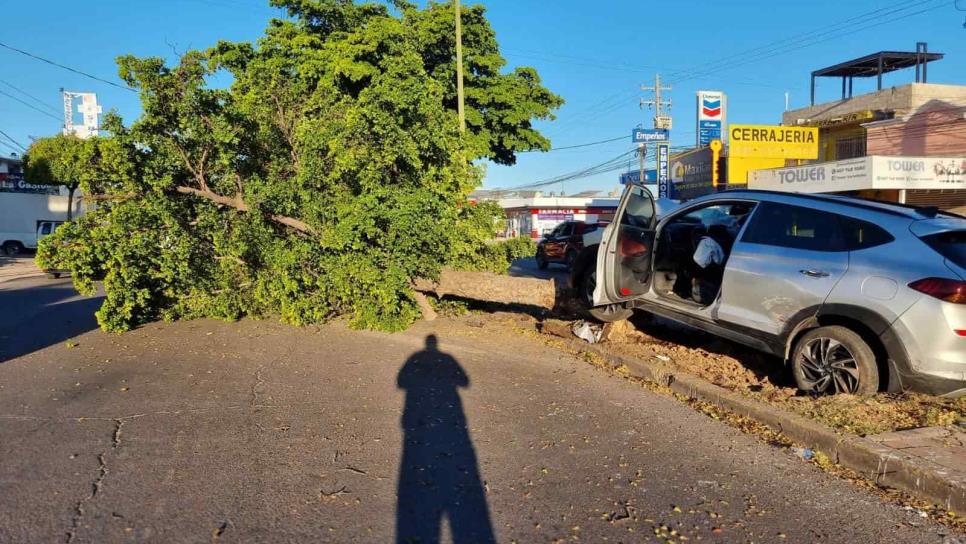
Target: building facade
911,125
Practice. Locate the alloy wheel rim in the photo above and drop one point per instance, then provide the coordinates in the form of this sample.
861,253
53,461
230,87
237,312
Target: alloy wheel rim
829,367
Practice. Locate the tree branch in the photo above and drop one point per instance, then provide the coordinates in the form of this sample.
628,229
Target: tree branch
232,202
237,203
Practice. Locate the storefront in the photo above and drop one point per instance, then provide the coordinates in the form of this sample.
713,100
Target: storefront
922,181
537,216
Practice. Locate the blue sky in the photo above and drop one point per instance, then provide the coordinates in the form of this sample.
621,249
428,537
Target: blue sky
595,54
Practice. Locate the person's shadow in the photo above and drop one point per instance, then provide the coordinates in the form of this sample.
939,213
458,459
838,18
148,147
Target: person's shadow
438,474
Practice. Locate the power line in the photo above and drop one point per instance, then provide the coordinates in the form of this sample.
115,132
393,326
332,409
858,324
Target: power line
68,68
30,96
768,51
7,136
784,41
577,145
29,105
599,168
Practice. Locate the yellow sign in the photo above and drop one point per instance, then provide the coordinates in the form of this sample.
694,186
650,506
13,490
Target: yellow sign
738,167
715,161
776,142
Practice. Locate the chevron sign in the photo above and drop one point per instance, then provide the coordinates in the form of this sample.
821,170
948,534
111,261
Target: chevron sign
711,108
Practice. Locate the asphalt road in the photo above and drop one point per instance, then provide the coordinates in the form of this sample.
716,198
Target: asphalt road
528,268
259,432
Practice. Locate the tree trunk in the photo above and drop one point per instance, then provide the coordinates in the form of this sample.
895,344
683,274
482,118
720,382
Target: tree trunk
70,201
527,293
492,288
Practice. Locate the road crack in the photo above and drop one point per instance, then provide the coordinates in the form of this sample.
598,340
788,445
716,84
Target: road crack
256,385
97,484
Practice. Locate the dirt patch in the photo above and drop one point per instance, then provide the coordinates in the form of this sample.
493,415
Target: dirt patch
765,378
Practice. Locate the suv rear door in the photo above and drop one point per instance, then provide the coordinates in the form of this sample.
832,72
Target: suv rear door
787,261
626,249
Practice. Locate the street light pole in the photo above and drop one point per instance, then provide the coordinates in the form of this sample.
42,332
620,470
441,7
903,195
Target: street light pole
459,68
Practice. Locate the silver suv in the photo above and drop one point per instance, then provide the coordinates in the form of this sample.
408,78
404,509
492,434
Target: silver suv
857,296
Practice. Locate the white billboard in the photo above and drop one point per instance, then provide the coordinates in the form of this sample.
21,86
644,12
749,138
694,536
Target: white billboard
89,110
874,172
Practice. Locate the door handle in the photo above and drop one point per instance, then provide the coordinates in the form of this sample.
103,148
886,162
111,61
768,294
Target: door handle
815,273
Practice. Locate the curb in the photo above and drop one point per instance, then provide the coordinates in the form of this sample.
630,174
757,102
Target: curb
7,279
883,465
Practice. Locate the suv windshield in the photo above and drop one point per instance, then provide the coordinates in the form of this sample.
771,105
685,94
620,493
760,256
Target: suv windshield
951,245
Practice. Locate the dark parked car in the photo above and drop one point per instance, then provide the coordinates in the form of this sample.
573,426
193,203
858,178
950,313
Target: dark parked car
564,243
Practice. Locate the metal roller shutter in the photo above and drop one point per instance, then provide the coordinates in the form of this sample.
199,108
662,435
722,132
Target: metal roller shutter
943,199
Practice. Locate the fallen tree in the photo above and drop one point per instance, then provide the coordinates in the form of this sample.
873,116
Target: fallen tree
328,180
492,288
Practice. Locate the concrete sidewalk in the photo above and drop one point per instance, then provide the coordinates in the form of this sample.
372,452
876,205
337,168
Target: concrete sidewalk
943,446
19,267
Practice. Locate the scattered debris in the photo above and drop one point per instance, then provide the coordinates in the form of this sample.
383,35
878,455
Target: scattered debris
589,332
803,453
762,377
220,530
916,511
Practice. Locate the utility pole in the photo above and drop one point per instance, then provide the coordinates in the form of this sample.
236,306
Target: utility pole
660,120
459,68
642,154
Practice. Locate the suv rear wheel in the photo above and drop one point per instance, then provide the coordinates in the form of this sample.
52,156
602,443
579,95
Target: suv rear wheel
832,360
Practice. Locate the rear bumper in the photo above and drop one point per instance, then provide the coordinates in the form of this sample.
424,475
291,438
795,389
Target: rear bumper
926,383
924,355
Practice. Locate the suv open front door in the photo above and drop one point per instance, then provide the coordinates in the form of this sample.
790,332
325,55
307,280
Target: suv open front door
626,251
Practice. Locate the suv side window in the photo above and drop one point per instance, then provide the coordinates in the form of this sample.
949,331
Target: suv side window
567,229
862,234
795,227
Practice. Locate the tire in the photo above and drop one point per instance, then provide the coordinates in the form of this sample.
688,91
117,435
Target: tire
608,313
570,259
834,360
542,263
12,248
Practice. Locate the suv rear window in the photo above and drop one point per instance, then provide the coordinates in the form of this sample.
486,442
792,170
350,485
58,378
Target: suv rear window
862,234
951,245
784,225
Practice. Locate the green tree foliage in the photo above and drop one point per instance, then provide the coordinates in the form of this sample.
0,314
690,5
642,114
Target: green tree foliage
328,176
59,160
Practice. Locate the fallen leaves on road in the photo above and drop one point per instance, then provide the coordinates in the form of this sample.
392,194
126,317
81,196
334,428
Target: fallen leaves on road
765,378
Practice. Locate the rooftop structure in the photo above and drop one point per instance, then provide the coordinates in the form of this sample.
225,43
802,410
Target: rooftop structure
875,65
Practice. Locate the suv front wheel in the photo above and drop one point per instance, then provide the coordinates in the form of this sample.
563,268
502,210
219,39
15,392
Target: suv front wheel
832,360
608,313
